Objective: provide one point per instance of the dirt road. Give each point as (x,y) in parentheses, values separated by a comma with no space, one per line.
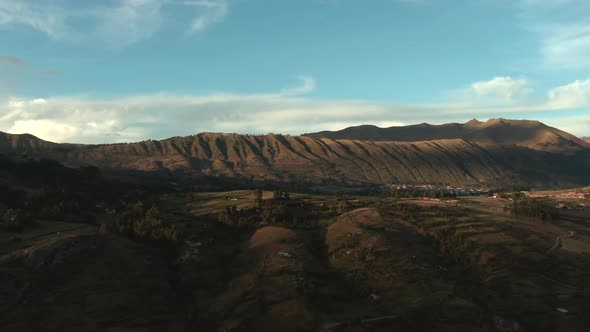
(558,241)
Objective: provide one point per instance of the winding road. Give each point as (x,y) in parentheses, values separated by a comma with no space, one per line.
(558,241)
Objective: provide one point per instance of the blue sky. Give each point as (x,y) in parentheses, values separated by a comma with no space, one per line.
(127,70)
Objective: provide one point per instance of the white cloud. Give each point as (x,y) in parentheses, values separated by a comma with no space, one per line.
(156,116)
(573,95)
(214,12)
(47,129)
(308,85)
(113,23)
(502,88)
(563,29)
(566,46)
(578,124)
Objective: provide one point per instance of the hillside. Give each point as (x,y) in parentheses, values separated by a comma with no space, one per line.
(23,143)
(333,160)
(524,133)
(586,138)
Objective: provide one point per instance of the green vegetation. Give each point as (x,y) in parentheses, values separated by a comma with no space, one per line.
(281,209)
(144,223)
(534,208)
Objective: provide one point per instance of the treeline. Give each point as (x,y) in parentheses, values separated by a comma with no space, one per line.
(533,208)
(46,190)
(238,217)
(137,221)
(281,209)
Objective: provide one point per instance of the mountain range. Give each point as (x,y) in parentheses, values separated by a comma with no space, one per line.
(525,133)
(496,152)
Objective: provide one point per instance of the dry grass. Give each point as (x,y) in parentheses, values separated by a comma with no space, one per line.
(271,235)
(576,245)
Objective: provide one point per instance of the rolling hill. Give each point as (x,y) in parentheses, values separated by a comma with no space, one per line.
(495,152)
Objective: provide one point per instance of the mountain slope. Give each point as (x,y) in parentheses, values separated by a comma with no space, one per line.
(307,159)
(23,143)
(525,133)
(277,157)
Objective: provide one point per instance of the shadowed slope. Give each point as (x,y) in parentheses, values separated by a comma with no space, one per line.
(456,161)
(530,134)
(277,157)
(23,143)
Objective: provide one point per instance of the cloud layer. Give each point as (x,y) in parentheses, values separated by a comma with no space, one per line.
(114,23)
(563,29)
(502,88)
(135,118)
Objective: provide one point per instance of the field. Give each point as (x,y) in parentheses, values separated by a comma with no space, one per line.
(361,263)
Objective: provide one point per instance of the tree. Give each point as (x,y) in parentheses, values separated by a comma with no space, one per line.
(276,194)
(343,206)
(258,198)
(225,216)
(280,213)
(535,208)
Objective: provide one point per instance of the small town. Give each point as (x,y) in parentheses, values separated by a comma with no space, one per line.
(447,190)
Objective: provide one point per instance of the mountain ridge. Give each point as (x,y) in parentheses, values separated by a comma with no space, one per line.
(525,133)
(321,160)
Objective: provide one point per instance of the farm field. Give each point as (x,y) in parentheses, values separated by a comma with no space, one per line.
(364,263)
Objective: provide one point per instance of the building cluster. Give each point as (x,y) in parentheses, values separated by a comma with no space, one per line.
(447,189)
(566,195)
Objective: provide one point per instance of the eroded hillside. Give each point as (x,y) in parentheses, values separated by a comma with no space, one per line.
(498,152)
(525,133)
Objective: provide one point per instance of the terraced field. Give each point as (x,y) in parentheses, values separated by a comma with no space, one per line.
(467,267)
(509,257)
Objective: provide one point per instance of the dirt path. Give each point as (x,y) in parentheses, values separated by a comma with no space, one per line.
(558,241)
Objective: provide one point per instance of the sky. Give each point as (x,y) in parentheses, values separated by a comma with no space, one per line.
(130,70)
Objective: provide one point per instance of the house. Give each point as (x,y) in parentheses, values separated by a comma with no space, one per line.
(285,254)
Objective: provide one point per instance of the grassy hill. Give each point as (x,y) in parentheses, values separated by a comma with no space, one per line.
(498,151)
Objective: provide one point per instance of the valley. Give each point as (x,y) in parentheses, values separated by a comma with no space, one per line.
(227,232)
(362,263)
(294,166)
